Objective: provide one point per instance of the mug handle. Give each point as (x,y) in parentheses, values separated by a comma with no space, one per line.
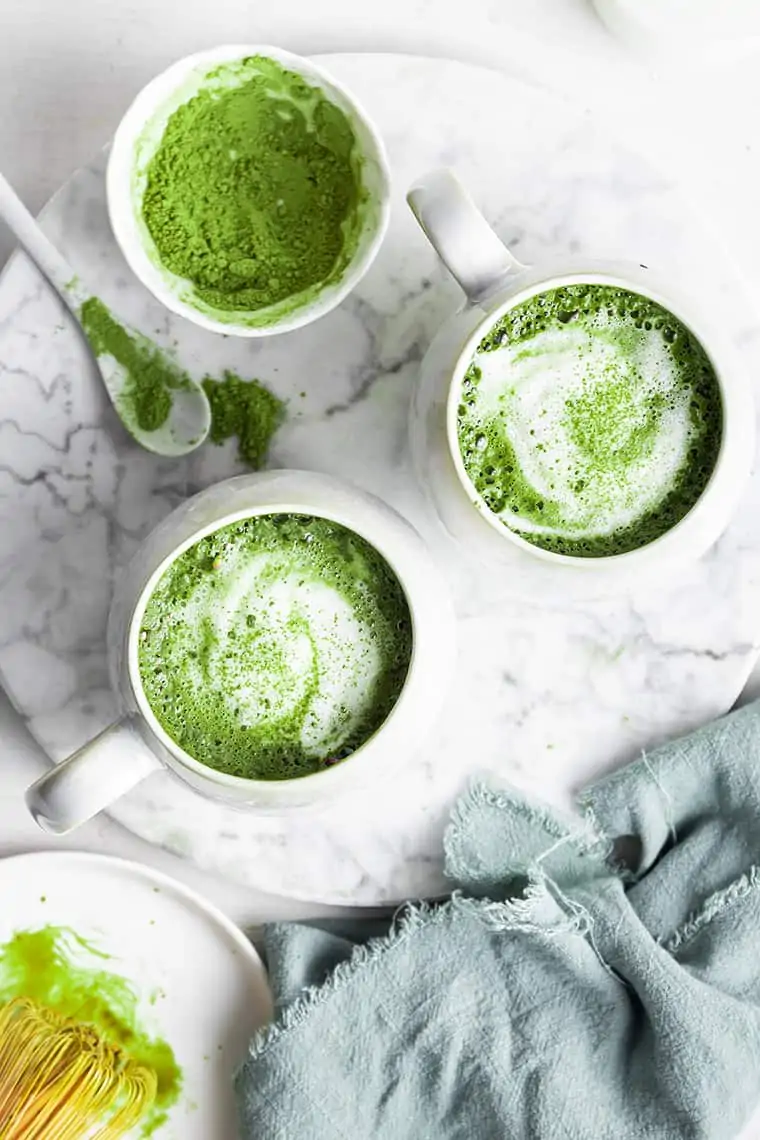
(103,769)
(460,235)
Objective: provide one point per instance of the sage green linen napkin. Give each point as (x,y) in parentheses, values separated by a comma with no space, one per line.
(560,992)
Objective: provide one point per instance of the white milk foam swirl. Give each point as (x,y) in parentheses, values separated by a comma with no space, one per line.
(279,636)
(526,392)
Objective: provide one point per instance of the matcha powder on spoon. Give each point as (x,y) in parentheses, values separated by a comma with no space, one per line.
(254,192)
(245,409)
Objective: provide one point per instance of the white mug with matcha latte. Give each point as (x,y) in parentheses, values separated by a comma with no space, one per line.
(585,414)
(280,640)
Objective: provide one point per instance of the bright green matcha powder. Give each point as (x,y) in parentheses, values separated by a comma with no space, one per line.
(254,194)
(48,966)
(150,374)
(245,409)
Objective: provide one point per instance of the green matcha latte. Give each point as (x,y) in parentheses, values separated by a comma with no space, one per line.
(254,194)
(275,646)
(590,420)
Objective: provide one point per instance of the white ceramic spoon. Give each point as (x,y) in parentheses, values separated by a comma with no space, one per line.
(188,421)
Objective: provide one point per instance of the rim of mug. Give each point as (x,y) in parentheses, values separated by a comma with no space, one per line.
(534,287)
(224,779)
(163,284)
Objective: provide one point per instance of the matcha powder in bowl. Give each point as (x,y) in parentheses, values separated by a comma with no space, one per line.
(247,190)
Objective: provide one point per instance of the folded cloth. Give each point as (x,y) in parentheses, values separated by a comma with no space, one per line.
(593,977)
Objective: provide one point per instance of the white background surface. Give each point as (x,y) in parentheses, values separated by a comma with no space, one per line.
(67,72)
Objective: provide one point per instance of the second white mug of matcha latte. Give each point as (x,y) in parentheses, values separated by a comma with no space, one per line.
(277,641)
(585,413)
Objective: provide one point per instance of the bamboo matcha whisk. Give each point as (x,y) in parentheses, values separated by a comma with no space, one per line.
(60,1080)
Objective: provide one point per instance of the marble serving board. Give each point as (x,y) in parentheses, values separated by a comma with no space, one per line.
(548,692)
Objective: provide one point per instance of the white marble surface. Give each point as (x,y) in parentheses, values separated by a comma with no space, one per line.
(69,70)
(547,693)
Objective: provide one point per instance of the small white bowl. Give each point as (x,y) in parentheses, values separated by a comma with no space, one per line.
(136,141)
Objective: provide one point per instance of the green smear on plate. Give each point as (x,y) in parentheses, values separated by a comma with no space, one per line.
(47,966)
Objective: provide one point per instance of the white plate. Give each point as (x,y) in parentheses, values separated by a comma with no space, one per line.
(210,983)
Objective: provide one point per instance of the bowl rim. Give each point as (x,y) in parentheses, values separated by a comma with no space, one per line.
(120,202)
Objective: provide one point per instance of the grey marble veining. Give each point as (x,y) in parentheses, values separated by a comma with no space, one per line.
(547,693)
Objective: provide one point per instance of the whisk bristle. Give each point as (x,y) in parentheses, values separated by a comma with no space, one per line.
(60,1079)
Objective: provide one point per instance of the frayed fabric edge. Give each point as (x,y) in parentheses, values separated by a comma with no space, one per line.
(414,918)
(511,914)
(586,836)
(516,913)
(714,907)
(481,794)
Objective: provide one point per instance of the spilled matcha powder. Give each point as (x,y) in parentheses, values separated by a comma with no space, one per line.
(48,966)
(254,194)
(244,409)
(239,408)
